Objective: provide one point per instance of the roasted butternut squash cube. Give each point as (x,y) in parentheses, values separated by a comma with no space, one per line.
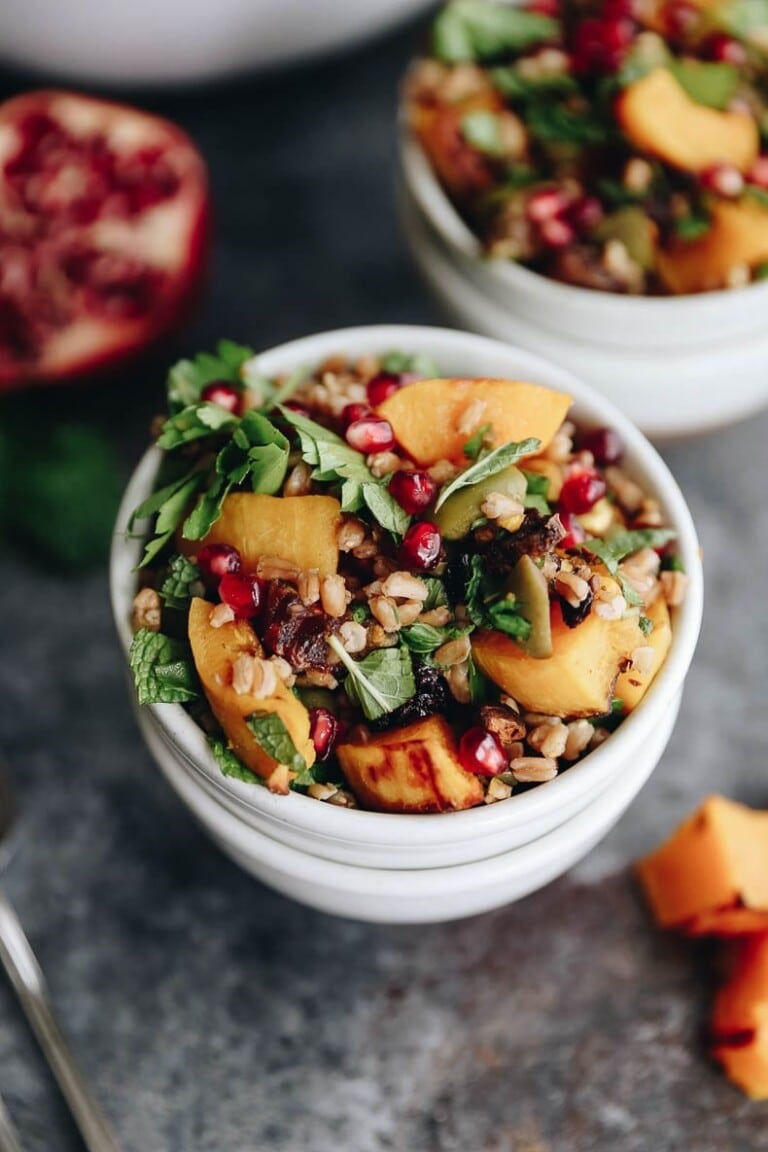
(659,117)
(214,651)
(299,529)
(711,876)
(578,679)
(462,168)
(740,1021)
(411,769)
(738,234)
(632,685)
(433,419)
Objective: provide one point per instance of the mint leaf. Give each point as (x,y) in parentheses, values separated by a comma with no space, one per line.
(230,764)
(488,465)
(379,683)
(181,584)
(436,596)
(554,123)
(645,624)
(469,30)
(516,87)
(193,423)
(385,509)
(163,669)
(536,492)
(273,736)
(400,363)
(712,84)
(623,543)
(483,131)
(424,639)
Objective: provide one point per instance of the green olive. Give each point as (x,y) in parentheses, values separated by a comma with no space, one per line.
(527,584)
(458,514)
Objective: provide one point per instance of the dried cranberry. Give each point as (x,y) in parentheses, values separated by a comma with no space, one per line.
(414,491)
(574,533)
(351,413)
(481,753)
(724,180)
(218,560)
(224,394)
(726,50)
(370,434)
(242,593)
(581,491)
(382,386)
(323,731)
(432,697)
(421,545)
(605,444)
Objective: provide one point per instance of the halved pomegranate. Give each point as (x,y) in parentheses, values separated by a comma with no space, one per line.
(104,214)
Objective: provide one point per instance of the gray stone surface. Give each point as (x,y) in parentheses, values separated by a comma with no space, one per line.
(215,1016)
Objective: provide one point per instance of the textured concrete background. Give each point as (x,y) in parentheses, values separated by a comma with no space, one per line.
(211,1014)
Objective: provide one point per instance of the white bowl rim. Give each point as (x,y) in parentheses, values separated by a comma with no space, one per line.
(399,829)
(439,210)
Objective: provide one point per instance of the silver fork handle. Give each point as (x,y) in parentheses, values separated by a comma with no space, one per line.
(9,1137)
(24,972)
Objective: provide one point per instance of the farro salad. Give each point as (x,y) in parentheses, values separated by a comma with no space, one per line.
(620,145)
(391,590)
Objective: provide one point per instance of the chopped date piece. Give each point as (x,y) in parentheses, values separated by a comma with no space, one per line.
(536,536)
(298,632)
(572,617)
(432,696)
(503,723)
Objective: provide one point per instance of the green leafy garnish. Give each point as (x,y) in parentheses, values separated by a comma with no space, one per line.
(468,30)
(436,595)
(645,624)
(334,462)
(516,87)
(536,492)
(169,505)
(672,564)
(193,423)
(230,764)
(483,131)
(474,446)
(187,378)
(181,584)
(488,465)
(625,543)
(273,736)
(163,669)
(554,123)
(400,363)
(504,616)
(423,639)
(379,683)
(708,83)
(740,18)
(759,195)
(692,227)
(489,607)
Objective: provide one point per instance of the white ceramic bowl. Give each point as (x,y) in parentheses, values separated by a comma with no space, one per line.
(373,840)
(675,365)
(180,41)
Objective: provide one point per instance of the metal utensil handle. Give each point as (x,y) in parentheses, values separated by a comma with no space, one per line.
(19,961)
(9,1137)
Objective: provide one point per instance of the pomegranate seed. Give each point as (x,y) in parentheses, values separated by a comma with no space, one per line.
(680,18)
(382,386)
(370,434)
(724,180)
(585,213)
(241,592)
(574,532)
(414,491)
(295,406)
(600,45)
(481,753)
(350,413)
(224,394)
(605,444)
(618,10)
(421,545)
(549,8)
(218,560)
(556,234)
(581,491)
(323,731)
(726,50)
(758,173)
(546,204)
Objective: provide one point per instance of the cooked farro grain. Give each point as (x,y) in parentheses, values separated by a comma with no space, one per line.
(382,463)
(350,534)
(322,791)
(354,636)
(220,615)
(579,736)
(673,587)
(533,769)
(147,610)
(402,585)
(299,481)
(549,739)
(453,652)
(497,790)
(333,595)
(385,611)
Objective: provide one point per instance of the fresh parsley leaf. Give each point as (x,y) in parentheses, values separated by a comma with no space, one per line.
(385,509)
(207,510)
(182,582)
(625,543)
(193,423)
(187,379)
(712,84)
(516,87)
(488,465)
(468,30)
(692,227)
(554,123)
(400,363)
(163,669)
(645,625)
(476,443)
(230,764)
(170,503)
(536,492)
(273,736)
(483,131)
(379,683)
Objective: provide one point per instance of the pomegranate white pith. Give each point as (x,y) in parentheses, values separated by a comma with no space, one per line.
(103,226)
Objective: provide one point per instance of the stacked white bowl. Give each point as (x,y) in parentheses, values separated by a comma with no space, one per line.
(674,365)
(408,868)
